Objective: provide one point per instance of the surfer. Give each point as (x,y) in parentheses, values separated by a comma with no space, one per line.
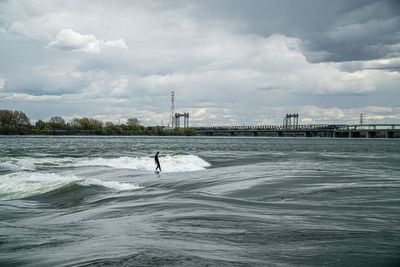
(156,161)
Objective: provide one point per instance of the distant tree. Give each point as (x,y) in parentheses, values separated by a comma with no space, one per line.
(190,132)
(108,128)
(133,122)
(57,122)
(139,130)
(20,119)
(6,117)
(80,123)
(40,124)
(13,118)
(118,130)
(109,124)
(155,130)
(95,124)
(87,124)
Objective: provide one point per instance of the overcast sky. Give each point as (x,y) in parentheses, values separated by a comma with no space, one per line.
(228,61)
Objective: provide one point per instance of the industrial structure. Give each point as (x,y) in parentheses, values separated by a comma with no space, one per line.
(175,118)
(291,127)
(291,120)
(172,110)
(311,130)
(185,116)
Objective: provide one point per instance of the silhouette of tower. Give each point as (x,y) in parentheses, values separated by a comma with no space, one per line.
(172,111)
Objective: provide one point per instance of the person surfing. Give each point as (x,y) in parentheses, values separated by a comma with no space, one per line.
(157,162)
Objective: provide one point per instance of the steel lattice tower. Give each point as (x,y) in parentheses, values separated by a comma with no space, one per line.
(172,111)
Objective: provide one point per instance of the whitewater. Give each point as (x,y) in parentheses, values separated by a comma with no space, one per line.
(219,201)
(24,181)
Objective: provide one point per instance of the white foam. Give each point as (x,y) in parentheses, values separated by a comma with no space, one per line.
(17,163)
(25,184)
(176,163)
(110,184)
(29,163)
(179,163)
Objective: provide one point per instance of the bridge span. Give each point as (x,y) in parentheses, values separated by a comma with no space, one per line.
(310,130)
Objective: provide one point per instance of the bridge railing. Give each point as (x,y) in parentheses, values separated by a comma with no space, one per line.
(275,127)
(310,127)
(372,127)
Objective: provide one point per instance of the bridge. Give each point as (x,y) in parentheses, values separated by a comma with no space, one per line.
(311,130)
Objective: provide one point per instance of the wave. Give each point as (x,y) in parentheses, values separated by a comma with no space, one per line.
(110,184)
(180,163)
(26,184)
(175,163)
(17,164)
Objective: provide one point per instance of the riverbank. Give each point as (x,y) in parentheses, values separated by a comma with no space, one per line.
(118,130)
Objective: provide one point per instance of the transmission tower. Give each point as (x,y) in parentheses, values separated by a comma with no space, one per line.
(291,120)
(172,111)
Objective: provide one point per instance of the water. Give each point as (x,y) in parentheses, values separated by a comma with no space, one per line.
(95,201)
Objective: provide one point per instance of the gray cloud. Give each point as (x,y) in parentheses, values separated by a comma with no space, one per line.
(330,30)
(228,61)
(67,39)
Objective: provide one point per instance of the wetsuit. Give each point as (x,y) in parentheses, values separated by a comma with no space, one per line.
(157,162)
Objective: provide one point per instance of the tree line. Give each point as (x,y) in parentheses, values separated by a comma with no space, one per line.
(18,123)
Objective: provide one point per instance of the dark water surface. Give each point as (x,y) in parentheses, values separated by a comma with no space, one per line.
(95,201)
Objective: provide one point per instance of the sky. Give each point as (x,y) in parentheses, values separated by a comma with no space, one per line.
(230,62)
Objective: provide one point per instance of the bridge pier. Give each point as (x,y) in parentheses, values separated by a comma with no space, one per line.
(255,134)
(310,134)
(354,134)
(389,134)
(371,134)
(280,133)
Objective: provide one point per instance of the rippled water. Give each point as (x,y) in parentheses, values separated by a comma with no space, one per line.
(95,201)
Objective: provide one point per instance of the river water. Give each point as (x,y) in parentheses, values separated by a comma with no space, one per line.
(228,201)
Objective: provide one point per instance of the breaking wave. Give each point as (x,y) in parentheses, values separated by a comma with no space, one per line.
(180,163)
(17,163)
(25,184)
(176,163)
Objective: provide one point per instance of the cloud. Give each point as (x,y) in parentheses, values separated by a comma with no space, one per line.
(229,61)
(106,85)
(28,97)
(331,31)
(67,39)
